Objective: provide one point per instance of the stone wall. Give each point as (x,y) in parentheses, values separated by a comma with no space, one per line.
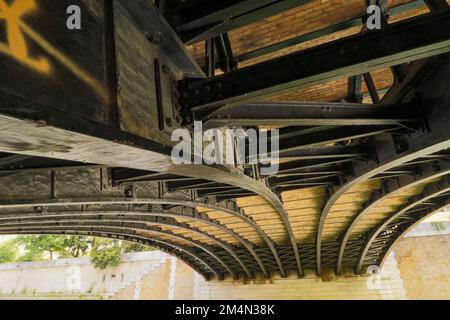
(77,277)
(388,286)
(424,264)
(417,268)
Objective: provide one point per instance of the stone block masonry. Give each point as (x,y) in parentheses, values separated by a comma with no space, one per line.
(417,268)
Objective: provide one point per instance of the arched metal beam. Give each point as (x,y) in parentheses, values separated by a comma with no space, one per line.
(143,227)
(390,187)
(155,219)
(422,215)
(420,144)
(67,131)
(196,216)
(124,226)
(5,204)
(433,138)
(364,176)
(249,220)
(432,191)
(277,204)
(259,188)
(154,242)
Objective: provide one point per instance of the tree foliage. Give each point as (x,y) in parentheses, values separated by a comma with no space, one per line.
(41,245)
(8,251)
(77,246)
(439,226)
(129,247)
(105,253)
(31,254)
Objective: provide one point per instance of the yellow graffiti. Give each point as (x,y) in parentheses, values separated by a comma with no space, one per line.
(16,46)
(64,60)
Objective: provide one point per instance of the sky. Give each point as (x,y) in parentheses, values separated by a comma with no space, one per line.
(6,238)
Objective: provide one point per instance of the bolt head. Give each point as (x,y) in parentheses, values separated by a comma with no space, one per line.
(129,193)
(155,37)
(170,122)
(165,69)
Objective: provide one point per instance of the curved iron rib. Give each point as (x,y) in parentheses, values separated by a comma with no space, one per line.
(143,154)
(399,186)
(262,190)
(154,242)
(434,138)
(188,203)
(433,190)
(124,226)
(88,217)
(196,217)
(436,142)
(252,223)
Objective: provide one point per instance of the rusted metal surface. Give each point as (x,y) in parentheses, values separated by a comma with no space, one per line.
(85,138)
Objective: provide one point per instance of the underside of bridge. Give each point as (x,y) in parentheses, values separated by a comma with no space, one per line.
(86,118)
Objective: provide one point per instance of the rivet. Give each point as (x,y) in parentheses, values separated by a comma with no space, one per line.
(165,69)
(170,122)
(155,37)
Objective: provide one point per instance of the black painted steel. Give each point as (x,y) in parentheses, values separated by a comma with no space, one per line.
(175,249)
(409,40)
(312,114)
(390,187)
(436,193)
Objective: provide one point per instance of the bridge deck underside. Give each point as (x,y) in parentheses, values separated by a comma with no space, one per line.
(364,140)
